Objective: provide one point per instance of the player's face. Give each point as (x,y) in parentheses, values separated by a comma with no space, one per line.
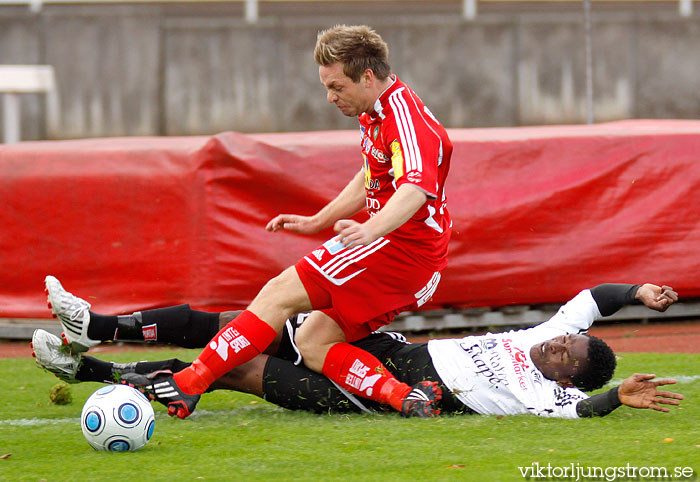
(562,357)
(352,98)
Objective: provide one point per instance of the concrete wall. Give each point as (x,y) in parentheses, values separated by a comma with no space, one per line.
(131,70)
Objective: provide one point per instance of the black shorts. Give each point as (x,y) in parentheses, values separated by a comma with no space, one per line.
(298,388)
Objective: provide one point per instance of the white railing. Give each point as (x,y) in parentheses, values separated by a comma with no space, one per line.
(251,6)
(469,7)
(21,79)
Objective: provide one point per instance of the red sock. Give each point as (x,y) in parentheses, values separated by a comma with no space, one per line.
(241,340)
(360,373)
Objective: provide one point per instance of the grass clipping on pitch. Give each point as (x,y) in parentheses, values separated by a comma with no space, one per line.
(240,437)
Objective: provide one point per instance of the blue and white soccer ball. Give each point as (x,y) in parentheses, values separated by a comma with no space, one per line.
(117,418)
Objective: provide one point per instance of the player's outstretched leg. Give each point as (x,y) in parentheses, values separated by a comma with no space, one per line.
(54,356)
(421,400)
(72,312)
(161,387)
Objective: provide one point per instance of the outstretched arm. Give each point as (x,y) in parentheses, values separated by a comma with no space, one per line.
(349,202)
(637,391)
(655,297)
(610,297)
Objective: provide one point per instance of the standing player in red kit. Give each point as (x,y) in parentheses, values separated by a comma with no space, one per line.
(359,280)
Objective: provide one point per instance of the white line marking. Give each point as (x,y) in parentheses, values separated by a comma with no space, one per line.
(678,378)
(31,422)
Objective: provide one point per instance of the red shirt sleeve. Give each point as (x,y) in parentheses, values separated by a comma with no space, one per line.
(410,135)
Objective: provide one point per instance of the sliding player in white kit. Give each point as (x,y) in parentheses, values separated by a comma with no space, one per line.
(535,370)
(539,371)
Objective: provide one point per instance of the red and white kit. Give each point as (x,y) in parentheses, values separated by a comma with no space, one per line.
(364,287)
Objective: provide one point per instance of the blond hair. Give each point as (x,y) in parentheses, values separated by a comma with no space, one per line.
(357,47)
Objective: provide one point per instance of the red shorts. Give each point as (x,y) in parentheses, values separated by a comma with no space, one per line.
(364,287)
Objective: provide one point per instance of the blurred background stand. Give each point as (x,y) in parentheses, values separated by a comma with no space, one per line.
(21,79)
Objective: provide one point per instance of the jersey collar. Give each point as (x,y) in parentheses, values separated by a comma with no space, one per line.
(382,99)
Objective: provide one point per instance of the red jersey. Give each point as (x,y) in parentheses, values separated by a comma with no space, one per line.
(402,142)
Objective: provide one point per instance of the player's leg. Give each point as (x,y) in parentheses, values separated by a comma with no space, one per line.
(249,334)
(179,325)
(54,356)
(241,340)
(325,350)
(295,387)
(72,312)
(283,380)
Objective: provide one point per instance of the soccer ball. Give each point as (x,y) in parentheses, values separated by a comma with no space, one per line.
(117,418)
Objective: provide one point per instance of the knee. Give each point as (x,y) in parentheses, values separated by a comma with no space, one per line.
(282,283)
(303,341)
(312,352)
(271,298)
(282,296)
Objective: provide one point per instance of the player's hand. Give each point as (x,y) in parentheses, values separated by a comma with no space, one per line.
(294,223)
(352,233)
(639,391)
(655,297)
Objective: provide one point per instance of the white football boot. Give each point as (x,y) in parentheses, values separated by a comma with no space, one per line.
(73,313)
(54,356)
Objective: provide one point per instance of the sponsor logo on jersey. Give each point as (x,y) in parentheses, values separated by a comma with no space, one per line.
(487,361)
(414,177)
(357,378)
(318,253)
(379,155)
(564,397)
(368,172)
(150,332)
(371,184)
(489,343)
(430,114)
(518,360)
(535,375)
(229,338)
(397,159)
(369,149)
(375,133)
(372,204)
(333,245)
(426,293)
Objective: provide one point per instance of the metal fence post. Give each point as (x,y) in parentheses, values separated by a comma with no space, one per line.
(469,9)
(11,118)
(251,11)
(590,118)
(685,8)
(19,79)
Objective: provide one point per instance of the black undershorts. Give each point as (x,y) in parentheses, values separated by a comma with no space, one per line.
(297,388)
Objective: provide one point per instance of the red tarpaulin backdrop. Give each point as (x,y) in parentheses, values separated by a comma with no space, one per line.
(539,214)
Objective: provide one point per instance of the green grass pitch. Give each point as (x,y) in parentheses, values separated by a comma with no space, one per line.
(239,437)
